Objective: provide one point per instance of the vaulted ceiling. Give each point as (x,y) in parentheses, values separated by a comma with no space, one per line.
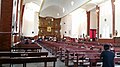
(60,8)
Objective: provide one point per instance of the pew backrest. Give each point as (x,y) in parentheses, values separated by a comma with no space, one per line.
(26,49)
(20,60)
(23,54)
(24,60)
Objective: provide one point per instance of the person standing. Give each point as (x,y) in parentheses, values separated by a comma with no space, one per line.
(107,57)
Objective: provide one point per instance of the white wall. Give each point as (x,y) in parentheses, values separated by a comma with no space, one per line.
(105,25)
(79,23)
(117,17)
(30,20)
(75,23)
(36,23)
(93,19)
(14,16)
(18,18)
(66,25)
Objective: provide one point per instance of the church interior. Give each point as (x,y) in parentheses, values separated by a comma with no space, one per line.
(58,33)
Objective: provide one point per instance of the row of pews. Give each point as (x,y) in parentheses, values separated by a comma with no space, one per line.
(26,49)
(26,53)
(83,54)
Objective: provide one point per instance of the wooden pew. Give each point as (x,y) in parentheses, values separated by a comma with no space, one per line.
(93,59)
(21,44)
(24,60)
(96,47)
(26,49)
(23,54)
(25,57)
(52,47)
(76,54)
(86,58)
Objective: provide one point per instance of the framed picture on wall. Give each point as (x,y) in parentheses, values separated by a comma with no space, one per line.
(48,29)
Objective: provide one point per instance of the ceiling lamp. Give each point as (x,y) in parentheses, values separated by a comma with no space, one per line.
(72,3)
(58,14)
(63,10)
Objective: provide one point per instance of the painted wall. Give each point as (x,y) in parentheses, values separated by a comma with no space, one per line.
(30,21)
(75,24)
(14,16)
(93,19)
(79,23)
(105,25)
(36,23)
(117,17)
(66,25)
(18,18)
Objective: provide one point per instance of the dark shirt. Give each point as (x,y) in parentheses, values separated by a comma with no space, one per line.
(107,58)
(26,42)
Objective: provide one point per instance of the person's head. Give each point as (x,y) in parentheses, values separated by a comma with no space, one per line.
(106,47)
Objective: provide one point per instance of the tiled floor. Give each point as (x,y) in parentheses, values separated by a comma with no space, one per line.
(58,63)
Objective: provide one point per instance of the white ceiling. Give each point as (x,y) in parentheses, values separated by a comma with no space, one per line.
(60,8)
(92,4)
(54,7)
(38,2)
